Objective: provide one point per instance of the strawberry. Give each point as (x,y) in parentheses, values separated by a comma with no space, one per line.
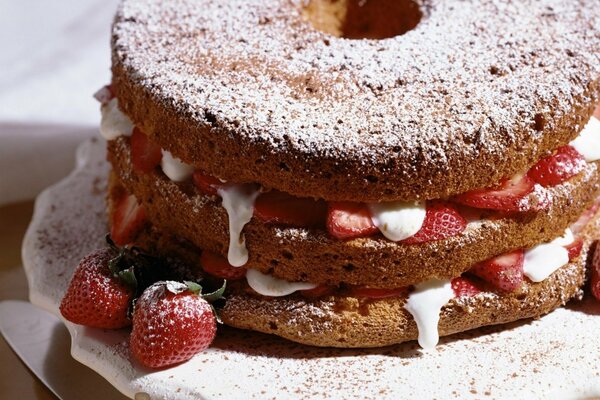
(595,273)
(508,196)
(128,219)
(218,266)
(441,222)
(346,220)
(282,208)
(574,248)
(171,323)
(504,272)
(319,291)
(463,286)
(585,218)
(206,184)
(565,163)
(95,296)
(145,155)
(375,293)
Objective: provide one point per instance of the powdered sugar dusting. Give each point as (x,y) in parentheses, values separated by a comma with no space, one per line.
(461,90)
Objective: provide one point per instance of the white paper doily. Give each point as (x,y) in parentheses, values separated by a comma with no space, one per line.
(556,356)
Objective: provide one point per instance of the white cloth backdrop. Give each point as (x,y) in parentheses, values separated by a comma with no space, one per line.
(54,54)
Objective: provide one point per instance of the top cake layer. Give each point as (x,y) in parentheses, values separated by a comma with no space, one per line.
(251,91)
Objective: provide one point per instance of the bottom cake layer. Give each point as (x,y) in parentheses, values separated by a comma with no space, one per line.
(343,320)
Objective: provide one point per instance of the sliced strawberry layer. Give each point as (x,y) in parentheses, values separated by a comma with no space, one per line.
(374,293)
(206,184)
(595,273)
(510,195)
(217,265)
(281,208)
(127,221)
(564,164)
(441,222)
(319,291)
(145,155)
(574,248)
(585,218)
(464,287)
(504,272)
(346,220)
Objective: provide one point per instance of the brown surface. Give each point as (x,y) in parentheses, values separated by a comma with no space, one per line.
(16,382)
(313,256)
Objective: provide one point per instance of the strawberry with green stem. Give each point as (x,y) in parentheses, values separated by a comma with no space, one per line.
(172,322)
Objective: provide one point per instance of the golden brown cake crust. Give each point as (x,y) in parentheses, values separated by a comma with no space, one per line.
(312,255)
(250,91)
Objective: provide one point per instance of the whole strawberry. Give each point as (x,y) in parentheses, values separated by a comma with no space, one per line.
(171,323)
(96,297)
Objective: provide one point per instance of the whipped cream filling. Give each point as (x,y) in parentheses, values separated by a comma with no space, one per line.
(175,169)
(425,304)
(113,122)
(268,285)
(542,260)
(398,220)
(588,141)
(238,201)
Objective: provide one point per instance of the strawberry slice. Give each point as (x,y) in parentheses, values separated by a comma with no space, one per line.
(282,208)
(504,272)
(375,293)
(464,287)
(206,184)
(595,273)
(346,220)
(585,218)
(319,291)
(128,220)
(218,266)
(508,196)
(145,155)
(565,163)
(574,248)
(441,222)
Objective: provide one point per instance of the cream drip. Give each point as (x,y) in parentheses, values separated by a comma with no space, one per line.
(238,201)
(268,285)
(113,122)
(174,168)
(542,260)
(398,220)
(588,141)
(425,304)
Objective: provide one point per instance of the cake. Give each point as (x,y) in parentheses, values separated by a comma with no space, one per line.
(362,173)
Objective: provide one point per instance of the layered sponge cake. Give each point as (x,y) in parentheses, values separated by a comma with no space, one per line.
(360,180)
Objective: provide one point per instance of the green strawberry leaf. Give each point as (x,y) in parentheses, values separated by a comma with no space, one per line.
(217,294)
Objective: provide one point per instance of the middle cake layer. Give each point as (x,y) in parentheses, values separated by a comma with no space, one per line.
(310,254)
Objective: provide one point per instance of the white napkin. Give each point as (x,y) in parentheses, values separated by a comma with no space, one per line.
(53,56)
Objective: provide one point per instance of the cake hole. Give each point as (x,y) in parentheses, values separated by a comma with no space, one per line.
(363,19)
